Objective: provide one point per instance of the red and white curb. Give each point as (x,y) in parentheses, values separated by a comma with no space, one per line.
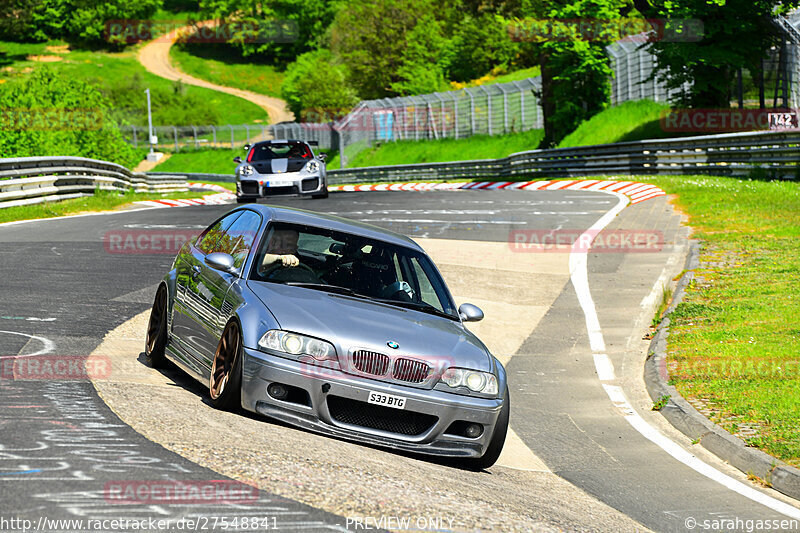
(211,199)
(208,186)
(634,190)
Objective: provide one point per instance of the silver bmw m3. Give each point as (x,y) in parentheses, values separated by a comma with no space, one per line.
(334,326)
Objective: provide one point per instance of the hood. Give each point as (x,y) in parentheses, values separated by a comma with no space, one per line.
(348,322)
(279,166)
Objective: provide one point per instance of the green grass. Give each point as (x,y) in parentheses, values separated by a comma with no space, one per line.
(630,121)
(206,161)
(223,65)
(517,75)
(101,201)
(733,340)
(121,78)
(476,147)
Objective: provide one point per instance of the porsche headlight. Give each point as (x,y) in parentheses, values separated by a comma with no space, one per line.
(311,167)
(480,382)
(294,344)
(246,170)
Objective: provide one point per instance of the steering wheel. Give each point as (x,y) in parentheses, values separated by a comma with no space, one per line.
(304,271)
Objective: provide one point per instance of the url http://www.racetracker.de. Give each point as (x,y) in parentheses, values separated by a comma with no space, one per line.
(197,523)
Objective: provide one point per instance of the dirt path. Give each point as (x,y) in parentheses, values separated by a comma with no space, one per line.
(154,56)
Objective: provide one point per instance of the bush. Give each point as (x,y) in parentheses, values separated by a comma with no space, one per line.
(45,114)
(316,88)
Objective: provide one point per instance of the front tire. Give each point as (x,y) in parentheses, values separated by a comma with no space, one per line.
(319,196)
(156,341)
(495,446)
(240,200)
(225,383)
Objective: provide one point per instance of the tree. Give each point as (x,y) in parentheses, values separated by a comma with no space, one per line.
(575,67)
(316,89)
(47,114)
(282,29)
(480,43)
(736,34)
(374,39)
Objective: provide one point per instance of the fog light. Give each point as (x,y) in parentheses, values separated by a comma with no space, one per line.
(473,430)
(277,391)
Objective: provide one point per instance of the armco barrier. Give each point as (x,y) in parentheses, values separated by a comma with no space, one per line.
(31,180)
(770,154)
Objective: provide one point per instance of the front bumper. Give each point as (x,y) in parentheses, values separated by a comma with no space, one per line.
(313,413)
(260,185)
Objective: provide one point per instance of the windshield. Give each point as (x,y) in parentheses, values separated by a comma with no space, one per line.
(290,150)
(332,261)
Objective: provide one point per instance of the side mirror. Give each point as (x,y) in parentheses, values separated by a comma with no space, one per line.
(246,147)
(221,261)
(322,156)
(469,313)
(237,159)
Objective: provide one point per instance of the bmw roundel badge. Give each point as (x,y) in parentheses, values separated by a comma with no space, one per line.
(393,345)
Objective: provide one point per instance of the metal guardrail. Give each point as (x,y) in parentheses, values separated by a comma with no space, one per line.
(196,176)
(769,154)
(31,180)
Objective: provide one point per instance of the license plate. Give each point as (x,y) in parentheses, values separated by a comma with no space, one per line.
(278,183)
(378,398)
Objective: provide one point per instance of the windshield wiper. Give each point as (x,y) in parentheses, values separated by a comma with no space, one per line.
(325,287)
(417,306)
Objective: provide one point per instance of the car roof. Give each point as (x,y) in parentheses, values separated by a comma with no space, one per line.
(293,215)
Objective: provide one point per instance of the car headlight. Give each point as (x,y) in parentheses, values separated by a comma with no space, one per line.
(246,170)
(480,382)
(311,166)
(294,344)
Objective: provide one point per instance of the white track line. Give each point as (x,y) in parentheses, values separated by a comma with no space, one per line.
(579,275)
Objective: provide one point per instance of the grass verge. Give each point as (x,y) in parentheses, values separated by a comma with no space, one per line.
(101,201)
(631,121)
(732,348)
(212,161)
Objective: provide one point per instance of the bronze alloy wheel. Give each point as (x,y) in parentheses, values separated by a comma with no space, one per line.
(156,340)
(225,380)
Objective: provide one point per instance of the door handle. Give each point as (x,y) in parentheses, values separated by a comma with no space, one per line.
(196,271)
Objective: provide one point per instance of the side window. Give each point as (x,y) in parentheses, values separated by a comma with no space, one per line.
(427,293)
(238,239)
(208,240)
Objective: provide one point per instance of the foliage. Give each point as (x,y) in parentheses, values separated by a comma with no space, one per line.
(575,70)
(479,44)
(46,114)
(316,88)
(76,21)
(304,24)
(721,37)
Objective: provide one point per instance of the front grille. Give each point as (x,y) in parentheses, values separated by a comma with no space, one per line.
(366,415)
(309,184)
(410,370)
(371,362)
(249,187)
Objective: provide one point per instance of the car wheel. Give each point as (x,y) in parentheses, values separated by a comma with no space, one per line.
(495,446)
(321,195)
(240,200)
(225,384)
(156,341)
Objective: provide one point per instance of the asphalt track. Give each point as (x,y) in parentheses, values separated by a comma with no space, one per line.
(60,444)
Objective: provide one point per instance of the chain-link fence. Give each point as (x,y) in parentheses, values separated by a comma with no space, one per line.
(486,109)
(633,65)
(181,137)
